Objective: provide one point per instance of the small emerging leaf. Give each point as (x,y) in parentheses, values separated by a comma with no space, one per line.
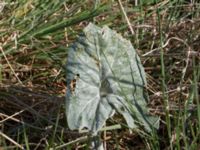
(110,79)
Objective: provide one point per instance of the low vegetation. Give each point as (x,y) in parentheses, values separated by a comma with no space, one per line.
(34,37)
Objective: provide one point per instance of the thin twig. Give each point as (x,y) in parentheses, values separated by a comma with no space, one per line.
(11,140)
(127,20)
(13,71)
(11,117)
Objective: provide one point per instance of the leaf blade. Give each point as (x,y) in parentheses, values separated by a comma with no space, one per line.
(112,79)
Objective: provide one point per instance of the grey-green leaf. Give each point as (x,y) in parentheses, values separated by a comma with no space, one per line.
(104,76)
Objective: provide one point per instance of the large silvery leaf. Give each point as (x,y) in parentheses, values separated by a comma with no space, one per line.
(104,76)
